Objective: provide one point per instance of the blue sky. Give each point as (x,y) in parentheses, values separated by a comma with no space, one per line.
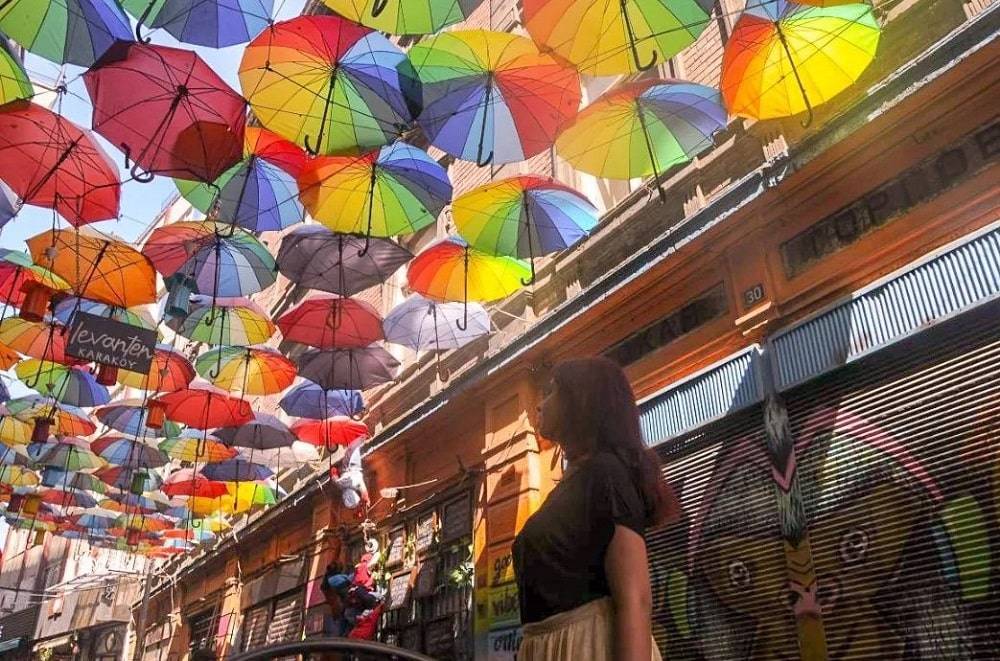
(140,202)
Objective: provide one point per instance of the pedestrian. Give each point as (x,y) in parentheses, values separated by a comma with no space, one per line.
(580,560)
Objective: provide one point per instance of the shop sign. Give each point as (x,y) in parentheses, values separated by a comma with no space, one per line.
(399,591)
(502,568)
(504,609)
(397,541)
(426,584)
(109,342)
(425,532)
(456,519)
(503,644)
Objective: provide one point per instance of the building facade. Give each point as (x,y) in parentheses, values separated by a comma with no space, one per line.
(810,322)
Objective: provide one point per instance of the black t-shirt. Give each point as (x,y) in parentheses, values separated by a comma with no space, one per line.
(559,554)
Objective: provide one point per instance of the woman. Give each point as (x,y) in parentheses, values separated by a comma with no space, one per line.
(580,560)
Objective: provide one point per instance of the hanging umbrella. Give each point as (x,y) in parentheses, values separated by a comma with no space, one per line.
(51,162)
(67,454)
(397,189)
(331,432)
(259,193)
(169,371)
(425,325)
(57,477)
(62,418)
(70,385)
(124,501)
(167,110)
(329,85)
(203,407)
(131,417)
(641,129)
(125,452)
(329,322)
(492,97)
(523,217)
(10,205)
(14,83)
(609,37)
(219,259)
(65,31)
(96,266)
(143,522)
(16,476)
(316,258)
(196,449)
(405,16)
(236,470)
(41,340)
(248,370)
(309,400)
(231,321)
(350,369)
(450,270)
(212,23)
(186,482)
(265,432)
(293,456)
(784,58)
(14,431)
(18,273)
(130,479)
(8,358)
(66,497)
(191,533)
(95,519)
(69,306)
(14,456)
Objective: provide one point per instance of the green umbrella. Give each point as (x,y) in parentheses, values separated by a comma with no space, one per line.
(14,83)
(65,31)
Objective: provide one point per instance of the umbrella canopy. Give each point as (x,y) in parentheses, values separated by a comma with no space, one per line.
(331,432)
(329,85)
(186,482)
(310,400)
(231,321)
(131,416)
(14,456)
(68,420)
(170,370)
(65,31)
(96,266)
(66,455)
(205,407)
(396,189)
(293,456)
(329,322)
(10,205)
(259,193)
(265,432)
(212,23)
(128,453)
(167,110)
(69,306)
(70,385)
(249,370)
(66,497)
(143,522)
(16,476)
(129,478)
(43,340)
(349,369)
(425,325)
(784,58)
(95,519)
(236,470)
(492,97)
(196,449)
(220,259)
(405,16)
(8,358)
(450,270)
(608,37)
(51,162)
(57,477)
(14,83)
(14,431)
(17,270)
(314,257)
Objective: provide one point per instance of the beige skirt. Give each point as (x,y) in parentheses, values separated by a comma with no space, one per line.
(584,633)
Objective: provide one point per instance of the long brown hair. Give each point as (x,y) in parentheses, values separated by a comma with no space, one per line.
(599,414)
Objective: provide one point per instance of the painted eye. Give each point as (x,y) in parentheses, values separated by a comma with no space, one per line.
(853,546)
(739,574)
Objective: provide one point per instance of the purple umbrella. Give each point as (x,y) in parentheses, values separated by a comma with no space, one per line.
(212,23)
(351,369)
(310,400)
(236,470)
(265,432)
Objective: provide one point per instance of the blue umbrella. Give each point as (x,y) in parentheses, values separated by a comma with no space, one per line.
(130,418)
(310,400)
(212,23)
(236,470)
(57,477)
(8,204)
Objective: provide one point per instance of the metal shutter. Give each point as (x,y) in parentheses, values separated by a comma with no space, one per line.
(286,625)
(255,626)
(202,627)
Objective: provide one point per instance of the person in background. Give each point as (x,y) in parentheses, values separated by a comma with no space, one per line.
(580,560)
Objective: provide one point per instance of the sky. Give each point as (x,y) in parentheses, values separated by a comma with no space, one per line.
(140,203)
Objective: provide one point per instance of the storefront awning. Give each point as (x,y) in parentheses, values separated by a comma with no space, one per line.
(54,643)
(11,644)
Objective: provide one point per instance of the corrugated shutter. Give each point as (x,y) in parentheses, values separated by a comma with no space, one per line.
(899,469)
(286,624)
(255,624)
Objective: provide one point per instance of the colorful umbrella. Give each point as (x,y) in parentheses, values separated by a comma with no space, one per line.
(143,522)
(14,456)
(236,321)
(196,449)
(167,110)
(425,325)
(349,369)
(608,37)
(57,477)
(316,258)
(66,454)
(249,370)
(783,58)
(397,189)
(265,432)
(259,193)
(10,205)
(329,85)
(51,162)
(212,23)
(204,407)
(65,419)
(236,470)
(96,519)
(169,371)
(523,217)
(97,267)
(331,432)
(294,456)
(16,476)
(14,83)
(67,307)
(18,273)
(8,358)
(186,482)
(309,400)
(405,16)
(641,129)
(14,431)
(66,497)
(492,97)
(221,260)
(37,339)
(65,31)
(329,322)
(129,478)
(70,385)
(128,453)
(131,417)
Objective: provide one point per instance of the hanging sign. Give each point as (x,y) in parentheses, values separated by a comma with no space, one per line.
(109,342)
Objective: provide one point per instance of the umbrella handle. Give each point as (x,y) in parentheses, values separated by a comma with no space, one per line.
(214,373)
(631,41)
(530,280)
(364,250)
(134,170)
(141,20)
(378,7)
(479,158)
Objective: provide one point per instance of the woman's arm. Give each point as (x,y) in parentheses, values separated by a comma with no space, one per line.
(628,576)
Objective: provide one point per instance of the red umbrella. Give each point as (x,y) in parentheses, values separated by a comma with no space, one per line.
(329,322)
(205,407)
(186,482)
(51,162)
(339,430)
(167,110)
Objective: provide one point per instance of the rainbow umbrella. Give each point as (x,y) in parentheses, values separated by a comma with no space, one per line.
(259,193)
(310,400)
(67,307)
(784,58)
(57,477)
(609,37)
(397,189)
(451,270)
(249,370)
(405,16)
(70,385)
(65,419)
(203,407)
(16,476)
(348,369)
(14,431)
(128,453)
(14,456)
(17,271)
(143,522)
(329,85)
(131,417)
(196,449)
(65,31)
(44,340)
(641,129)
(331,432)
(170,370)
(212,23)
(96,519)
(523,217)
(68,454)
(329,322)
(14,83)
(231,321)
(8,357)
(492,97)
(136,480)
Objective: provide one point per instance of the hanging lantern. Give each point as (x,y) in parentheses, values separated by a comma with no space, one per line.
(107,375)
(40,432)
(179,288)
(138,482)
(156,414)
(36,300)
